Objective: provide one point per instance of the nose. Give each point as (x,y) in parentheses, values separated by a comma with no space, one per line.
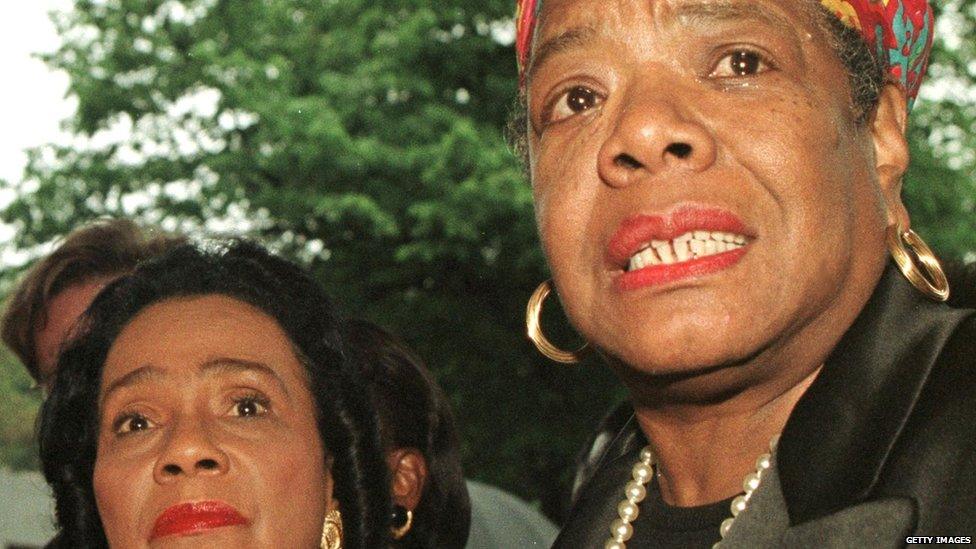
(190,450)
(653,136)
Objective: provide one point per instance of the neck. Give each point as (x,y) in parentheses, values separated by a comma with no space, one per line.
(708,426)
(703,451)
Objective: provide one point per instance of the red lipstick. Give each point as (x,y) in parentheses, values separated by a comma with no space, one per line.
(190,518)
(637,231)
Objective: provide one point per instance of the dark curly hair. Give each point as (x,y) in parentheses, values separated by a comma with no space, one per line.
(414,413)
(244,271)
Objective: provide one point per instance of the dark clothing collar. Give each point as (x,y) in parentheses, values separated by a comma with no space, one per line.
(843,428)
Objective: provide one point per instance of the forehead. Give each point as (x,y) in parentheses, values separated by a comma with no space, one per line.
(178,335)
(607,15)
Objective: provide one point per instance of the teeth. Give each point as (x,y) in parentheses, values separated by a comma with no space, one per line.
(664,250)
(650,258)
(681,249)
(637,262)
(690,245)
(645,258)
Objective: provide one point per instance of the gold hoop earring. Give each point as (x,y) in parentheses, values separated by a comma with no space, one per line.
(332,530)
(406,517)
(533,312)
(926,274)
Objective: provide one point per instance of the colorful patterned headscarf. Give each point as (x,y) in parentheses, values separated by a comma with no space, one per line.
(899,32)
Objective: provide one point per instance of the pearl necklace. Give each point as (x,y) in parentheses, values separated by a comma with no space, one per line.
(621,530)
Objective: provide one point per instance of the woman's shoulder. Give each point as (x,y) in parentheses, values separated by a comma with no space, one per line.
(500,519)
(947,401)
(958,356)
(952,381)
(935,449)
(962,282)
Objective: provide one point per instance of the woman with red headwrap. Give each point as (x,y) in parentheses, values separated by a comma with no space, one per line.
(717,185)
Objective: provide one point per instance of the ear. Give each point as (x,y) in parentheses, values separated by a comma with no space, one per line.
(891,150)
(408,469)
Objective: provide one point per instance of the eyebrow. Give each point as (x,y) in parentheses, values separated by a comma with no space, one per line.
(216,365)
(568,39)
(222,365)
(688,14)
(141,374)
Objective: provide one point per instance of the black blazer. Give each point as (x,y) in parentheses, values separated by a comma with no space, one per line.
(882,446)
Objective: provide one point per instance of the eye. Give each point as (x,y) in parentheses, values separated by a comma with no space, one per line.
(131,423)
(249,406)
(739,63)
(573,101)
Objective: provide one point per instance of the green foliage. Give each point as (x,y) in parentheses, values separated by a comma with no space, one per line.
(940,187)
(365,137)
(19,403)
(361,136)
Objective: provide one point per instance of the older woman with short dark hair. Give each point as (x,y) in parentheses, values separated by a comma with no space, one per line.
(717,185)
(208,400)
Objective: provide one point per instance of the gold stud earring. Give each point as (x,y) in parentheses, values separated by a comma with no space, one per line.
(332,530)
(533,312)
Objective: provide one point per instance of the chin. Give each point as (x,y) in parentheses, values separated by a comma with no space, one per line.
(217,537)
(672,351)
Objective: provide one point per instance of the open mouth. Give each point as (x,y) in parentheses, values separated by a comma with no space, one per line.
(686,247)
(689,241)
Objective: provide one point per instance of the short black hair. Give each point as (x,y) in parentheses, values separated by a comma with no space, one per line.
(415,413)
(244,271)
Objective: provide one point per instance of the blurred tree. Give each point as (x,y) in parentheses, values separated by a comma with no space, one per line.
(365,137)
(19,401)
(940,187)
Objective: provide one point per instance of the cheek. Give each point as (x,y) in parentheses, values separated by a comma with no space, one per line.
(301,463)
(293,481)
(817,182)
(120,494)
(570,214)
(565,187)
(812,172)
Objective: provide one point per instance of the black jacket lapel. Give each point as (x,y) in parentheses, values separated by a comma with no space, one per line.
(842,430)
